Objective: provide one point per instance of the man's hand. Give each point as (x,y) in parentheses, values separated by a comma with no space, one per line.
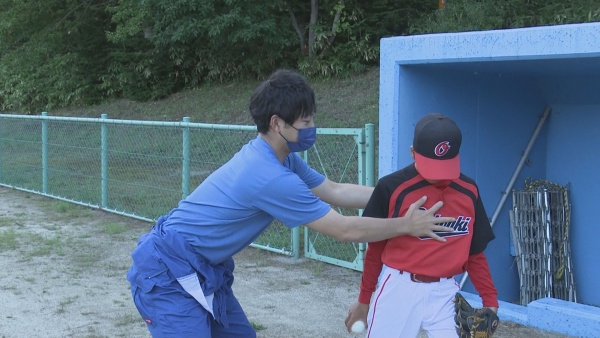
(423,223)
(358,311)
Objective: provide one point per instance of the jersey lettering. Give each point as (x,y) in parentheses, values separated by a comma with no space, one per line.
(460,227)
(461,224)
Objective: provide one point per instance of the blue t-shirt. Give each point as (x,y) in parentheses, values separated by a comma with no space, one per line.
(237,202)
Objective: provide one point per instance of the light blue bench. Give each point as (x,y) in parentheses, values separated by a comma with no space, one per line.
(549,314)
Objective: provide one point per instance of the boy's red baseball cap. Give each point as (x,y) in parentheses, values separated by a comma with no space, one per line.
(436,144)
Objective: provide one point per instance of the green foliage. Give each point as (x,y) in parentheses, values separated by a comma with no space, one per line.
(139,75)
(394,17)
(137,70)
(560,12)
(60,53)
(476,15)
(219,40)
(36,78)
(50,53)
(340,47)
(130,18)
(461,15)
(347,33)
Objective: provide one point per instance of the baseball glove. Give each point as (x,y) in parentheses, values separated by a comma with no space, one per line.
(474,322)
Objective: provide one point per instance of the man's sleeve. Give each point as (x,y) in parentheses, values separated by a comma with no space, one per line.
(288,199)
(311,177)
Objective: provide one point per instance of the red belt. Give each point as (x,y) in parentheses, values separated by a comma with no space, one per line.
(422,278)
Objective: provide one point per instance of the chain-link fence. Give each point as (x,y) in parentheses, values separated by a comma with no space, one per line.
(142,169)
(338,162)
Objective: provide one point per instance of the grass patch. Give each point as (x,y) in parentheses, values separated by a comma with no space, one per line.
(258,327)
(8,240)
(349,101)
(70,209)
(42,245)
(127,320)
(65,209)
(318,268)
(115,228)
(87,257)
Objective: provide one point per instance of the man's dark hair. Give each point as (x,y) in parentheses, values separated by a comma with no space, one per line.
(286,94)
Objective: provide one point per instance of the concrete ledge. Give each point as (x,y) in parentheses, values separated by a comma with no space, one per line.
(565,317)
(549,314)
(513,313)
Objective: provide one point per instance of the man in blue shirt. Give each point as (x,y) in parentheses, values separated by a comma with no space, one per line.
(182,269)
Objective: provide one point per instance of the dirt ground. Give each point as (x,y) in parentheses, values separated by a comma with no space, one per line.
(63,275)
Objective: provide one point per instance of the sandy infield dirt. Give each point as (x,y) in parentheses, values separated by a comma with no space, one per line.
(63,272)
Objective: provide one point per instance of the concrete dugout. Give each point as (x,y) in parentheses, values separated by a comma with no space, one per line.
(497,85)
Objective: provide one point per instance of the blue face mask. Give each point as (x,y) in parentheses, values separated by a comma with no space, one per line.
(306,139)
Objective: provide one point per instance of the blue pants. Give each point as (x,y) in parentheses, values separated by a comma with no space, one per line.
(160,258)
(169,311)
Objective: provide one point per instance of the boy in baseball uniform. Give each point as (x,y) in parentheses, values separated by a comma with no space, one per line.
(408,282)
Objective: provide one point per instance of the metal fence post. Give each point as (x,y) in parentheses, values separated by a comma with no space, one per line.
(44,153)
(369,173)
(296,242)
(0,153)
(296,231)
(185,165)
(104,160)
(361,152)
(370,154)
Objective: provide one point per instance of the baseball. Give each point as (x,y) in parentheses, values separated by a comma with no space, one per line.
(358,326)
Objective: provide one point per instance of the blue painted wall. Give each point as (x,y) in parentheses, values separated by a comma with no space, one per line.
(572,150)
(496,85)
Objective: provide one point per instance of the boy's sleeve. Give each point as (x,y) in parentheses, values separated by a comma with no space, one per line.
(477,264)
(479,271)
(377,207)
(371,270)
(482,230)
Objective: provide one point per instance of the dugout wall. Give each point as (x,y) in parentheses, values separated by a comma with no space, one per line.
(496,85)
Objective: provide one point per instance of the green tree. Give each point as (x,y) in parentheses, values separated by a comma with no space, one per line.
(209,39)
(342,36)
(477,15)
(56,53)
(51,53)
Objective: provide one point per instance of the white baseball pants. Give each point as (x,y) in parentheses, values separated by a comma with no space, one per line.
(400,307)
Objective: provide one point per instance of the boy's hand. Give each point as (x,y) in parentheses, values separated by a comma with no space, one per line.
(358,311)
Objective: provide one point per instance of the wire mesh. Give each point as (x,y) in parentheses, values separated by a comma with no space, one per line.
(540,224)
(142,168)
(338,159)
(22,138)
(73,160)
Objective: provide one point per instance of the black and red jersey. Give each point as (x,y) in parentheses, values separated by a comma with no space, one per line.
(471,233)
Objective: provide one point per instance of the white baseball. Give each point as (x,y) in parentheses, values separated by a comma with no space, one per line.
(358,326)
